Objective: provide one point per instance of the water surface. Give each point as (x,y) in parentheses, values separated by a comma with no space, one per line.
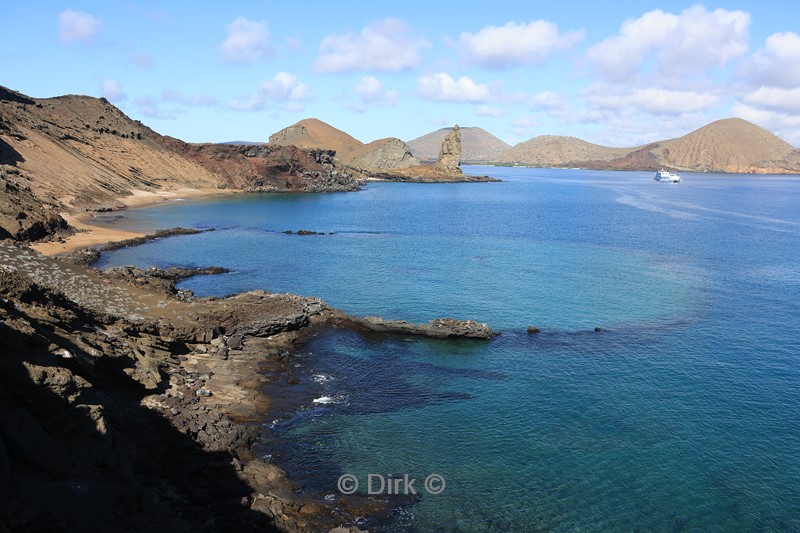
(682,414)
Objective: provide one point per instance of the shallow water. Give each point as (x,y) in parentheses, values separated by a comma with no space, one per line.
(682,414)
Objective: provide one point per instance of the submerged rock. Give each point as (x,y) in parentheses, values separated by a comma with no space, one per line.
(532,330)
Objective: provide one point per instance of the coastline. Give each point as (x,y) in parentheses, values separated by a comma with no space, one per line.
(204,362)
(88,235)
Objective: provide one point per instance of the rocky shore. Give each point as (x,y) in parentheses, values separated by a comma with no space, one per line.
(125,403)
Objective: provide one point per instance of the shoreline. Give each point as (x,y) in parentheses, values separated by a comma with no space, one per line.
(200,368)
(89,235)
(206,362)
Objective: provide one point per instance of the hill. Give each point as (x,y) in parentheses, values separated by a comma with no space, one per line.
(729,145)
(478,145)
(75,153)
(381,155)
(557,151)
(312,133)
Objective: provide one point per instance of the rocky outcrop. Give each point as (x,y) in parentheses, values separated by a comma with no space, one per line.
(440,328)
(450,152)
(383,155)
(268,168)
(446,170)
(477,145)
(113,421)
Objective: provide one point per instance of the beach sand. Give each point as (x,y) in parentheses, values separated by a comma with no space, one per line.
(89,234)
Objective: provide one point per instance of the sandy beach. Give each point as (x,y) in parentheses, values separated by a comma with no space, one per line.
(89,234)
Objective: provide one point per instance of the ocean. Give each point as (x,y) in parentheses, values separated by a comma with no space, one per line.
(681,414)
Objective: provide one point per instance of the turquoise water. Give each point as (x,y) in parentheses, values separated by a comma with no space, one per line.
(683,414)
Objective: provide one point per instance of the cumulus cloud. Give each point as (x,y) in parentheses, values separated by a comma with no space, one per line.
(284,90)
(775,98)
(690,42)
(384,46)
(650,100)
(784,125)
(78,27)
(442,87)
(776,64)
(547,100)
(515,44)
(371,90)
(112,90)
(247,42)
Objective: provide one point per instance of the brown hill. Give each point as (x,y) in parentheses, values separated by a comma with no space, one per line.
(378,156)
(75,153)
(477,145)
(729,145)
(557,151)
(313,133)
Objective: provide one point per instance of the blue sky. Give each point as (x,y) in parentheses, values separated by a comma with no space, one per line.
(623,74)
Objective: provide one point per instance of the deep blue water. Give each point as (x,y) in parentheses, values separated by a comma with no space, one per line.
(683,414)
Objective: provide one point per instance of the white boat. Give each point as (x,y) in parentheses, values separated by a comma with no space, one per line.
(667,176)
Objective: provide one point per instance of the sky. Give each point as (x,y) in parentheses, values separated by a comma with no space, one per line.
(623,74)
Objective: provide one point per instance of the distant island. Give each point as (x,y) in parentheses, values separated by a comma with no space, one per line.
(730,145)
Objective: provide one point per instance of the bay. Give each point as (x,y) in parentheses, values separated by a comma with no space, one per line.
(683,413)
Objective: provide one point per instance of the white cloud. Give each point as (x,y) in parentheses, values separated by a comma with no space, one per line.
(78,27)
(649,100)
(284,90)
(690,42)
(784,125)
(442,87)
(515,44)
(247,42)
(524,128)
(547,100)
(112,91)
(385,46)
(776,64)
(775,98)
(371,90)
(488,111)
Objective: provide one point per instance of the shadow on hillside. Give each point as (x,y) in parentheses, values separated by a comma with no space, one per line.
(78,458)
(9,156)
